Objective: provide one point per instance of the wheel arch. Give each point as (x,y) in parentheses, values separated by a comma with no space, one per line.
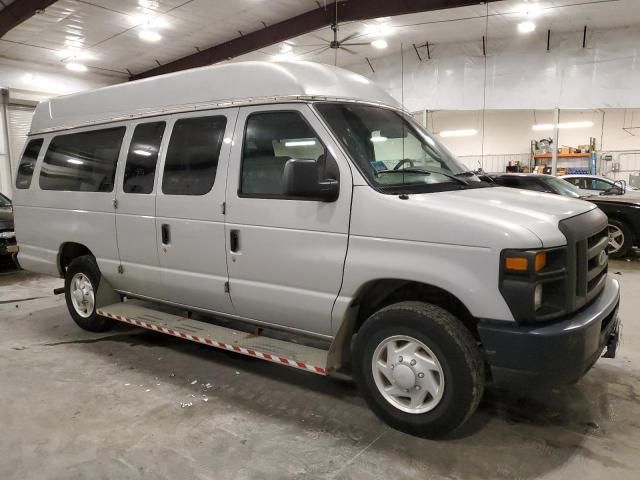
(379,293)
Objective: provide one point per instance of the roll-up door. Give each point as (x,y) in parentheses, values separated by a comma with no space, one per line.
(19,123)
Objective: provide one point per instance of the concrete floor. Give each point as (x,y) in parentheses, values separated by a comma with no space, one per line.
(76,405)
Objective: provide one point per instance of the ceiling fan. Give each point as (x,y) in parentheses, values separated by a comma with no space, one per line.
(336,44)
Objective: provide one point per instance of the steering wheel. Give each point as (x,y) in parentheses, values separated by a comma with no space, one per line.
(401,163)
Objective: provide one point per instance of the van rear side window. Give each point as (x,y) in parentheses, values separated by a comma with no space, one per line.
(143,156)
(82,162)
(28,163)
(192,157)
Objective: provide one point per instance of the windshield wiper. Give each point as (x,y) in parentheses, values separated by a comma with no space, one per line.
(422,171)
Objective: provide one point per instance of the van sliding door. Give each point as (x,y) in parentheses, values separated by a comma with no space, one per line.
(135,212)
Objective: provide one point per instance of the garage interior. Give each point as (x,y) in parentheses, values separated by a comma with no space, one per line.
(537,86)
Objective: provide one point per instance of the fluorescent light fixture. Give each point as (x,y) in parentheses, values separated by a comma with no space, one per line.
(74,161)
(379,43)
(459,133)
(299,143)
(378,138)
(144,153)
(549,126)
(76,67)
(149,36)
(526,27)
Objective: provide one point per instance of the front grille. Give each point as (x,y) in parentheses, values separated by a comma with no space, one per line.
(587,237)
(596,262)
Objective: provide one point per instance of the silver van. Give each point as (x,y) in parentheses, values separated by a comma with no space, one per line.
(304,204)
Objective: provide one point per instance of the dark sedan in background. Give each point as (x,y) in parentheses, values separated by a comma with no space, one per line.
(8,245)
(623,211)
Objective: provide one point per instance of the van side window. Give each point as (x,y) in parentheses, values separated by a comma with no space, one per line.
(192,156)
(271,139)
(82,162)
(28,163)
(140,170)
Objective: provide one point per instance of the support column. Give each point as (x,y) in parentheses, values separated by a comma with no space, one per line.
(5,157)
(554,150)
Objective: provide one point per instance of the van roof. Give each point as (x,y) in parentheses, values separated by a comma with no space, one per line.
(207,87)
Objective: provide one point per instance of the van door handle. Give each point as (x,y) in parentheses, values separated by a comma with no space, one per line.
(166,234)
(234,241)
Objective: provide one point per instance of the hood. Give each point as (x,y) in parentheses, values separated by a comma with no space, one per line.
(494,217)
(6,218)
(631,198)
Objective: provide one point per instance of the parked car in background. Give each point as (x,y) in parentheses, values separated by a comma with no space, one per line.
(8,245)
(623,211)
(597,185)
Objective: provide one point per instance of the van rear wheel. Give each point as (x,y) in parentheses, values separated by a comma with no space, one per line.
(80,289)
(419,369)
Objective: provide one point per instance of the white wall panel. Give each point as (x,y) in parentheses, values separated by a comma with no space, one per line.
(520,73)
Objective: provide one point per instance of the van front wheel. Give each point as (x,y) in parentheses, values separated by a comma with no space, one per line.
(80,289)
(419,369)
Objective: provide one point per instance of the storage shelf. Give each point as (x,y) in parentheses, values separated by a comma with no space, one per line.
(563,155)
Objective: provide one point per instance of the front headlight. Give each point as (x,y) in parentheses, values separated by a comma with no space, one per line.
(534,283)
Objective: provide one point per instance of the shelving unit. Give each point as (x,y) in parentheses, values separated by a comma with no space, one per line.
(587,164)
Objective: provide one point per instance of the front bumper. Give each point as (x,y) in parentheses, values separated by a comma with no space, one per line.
(8,243)
(556,353)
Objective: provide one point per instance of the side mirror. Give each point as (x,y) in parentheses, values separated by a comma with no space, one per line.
(301,179)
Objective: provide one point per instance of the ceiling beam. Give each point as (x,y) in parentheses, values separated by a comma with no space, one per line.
(20,10)
(349,10)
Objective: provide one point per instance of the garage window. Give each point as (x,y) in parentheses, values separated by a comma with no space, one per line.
(192,156)
(28,163)
(82,162)
(140,170)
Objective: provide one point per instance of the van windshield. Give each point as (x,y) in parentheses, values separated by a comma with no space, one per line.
(393,152)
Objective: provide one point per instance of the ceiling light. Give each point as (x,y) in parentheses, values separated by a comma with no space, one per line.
(76,67)
(459,133)
(149,3)
(300,143)
(526,27)
(74,54)
(149,36)
(549,126)
(380,43)
(286,47)
(378,29)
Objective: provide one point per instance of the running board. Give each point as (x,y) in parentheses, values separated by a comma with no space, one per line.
(265,348)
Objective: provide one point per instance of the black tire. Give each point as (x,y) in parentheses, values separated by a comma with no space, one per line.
(454,347)
(627,244)
(86,265)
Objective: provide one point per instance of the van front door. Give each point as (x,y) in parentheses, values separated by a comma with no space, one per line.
(285,255)
(189,210)
(136,210)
